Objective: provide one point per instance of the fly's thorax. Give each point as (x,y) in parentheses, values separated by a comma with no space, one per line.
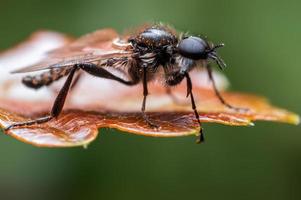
(154,38)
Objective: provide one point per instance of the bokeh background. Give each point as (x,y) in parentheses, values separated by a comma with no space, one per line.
(262,162)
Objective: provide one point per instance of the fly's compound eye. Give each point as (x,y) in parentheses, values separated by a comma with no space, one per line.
(194,48)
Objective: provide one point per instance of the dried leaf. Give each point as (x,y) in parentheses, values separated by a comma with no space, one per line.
(98,103)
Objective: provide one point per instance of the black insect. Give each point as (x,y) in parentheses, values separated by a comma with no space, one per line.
(139,57)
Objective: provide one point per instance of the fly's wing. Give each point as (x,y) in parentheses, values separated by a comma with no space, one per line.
(93,47)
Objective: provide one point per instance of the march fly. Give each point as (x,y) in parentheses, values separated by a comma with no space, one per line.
(139,57)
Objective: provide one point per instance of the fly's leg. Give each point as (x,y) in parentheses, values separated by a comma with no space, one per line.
(177,78)
(56,108)
(75,81)
(145,93)
(219,96)
(193,106)
(61,97)
(101,72)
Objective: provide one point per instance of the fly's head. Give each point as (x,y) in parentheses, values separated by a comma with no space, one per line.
(196,48)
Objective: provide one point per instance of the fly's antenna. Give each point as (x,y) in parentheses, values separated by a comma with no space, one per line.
(218,46)
(221,64)
(213,55)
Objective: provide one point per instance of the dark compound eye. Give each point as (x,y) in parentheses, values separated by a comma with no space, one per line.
(194,48)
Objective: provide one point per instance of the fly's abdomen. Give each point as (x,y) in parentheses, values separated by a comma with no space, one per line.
(46,78)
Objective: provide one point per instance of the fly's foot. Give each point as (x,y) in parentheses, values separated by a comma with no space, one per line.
(14,125)
(28,123)
(200,136)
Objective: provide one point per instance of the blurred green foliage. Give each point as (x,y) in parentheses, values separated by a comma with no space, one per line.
(262,162)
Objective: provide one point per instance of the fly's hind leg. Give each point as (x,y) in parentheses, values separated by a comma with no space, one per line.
(77,77)
(56,108)
(61,97)
(219,96)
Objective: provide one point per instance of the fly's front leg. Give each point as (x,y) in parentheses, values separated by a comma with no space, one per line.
(56,108)
(145,93)
(218,94)
(193,106)
(175,79)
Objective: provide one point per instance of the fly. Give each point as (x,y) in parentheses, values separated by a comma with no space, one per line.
(138,57)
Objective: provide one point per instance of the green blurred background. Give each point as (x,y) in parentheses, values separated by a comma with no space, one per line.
(262,162)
